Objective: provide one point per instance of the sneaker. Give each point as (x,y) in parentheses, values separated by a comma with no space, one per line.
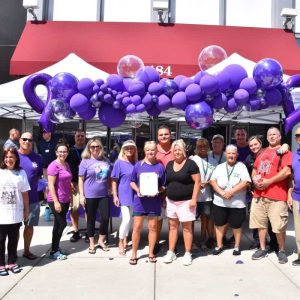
(282,258)
(57,256)
(187,259)
(259,254)
(236,252)
(75,237)
(169,257)
(217,251)
(296,262)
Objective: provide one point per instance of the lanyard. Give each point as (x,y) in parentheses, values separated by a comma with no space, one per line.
(204,170)
(220,159)
(229,173)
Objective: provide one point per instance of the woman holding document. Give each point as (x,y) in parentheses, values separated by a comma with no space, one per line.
(147,181)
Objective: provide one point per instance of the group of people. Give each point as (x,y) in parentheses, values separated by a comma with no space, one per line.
(214,185)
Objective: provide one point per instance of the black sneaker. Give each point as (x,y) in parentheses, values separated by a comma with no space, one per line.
(259,254)
(217,251)
(75,237)
(282,258)
(236,252)
(296,262)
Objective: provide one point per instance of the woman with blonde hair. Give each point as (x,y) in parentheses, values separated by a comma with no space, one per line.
(93,182)
(122,192)
(147,181)
(183,185)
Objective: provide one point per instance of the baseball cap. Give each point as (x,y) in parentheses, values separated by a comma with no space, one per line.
(218,136)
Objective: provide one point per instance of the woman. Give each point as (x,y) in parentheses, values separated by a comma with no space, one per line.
(59,196)
(94,183)
(122,192)
(183,186)
(206,166)
(230,181)
(147,181)
(14,208)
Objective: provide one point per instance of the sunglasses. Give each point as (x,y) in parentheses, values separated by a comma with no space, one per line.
(297,135)
(95,147)
(26,140)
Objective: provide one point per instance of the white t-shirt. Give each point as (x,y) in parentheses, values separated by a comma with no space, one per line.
(12,185)
(206,167)
(228,177)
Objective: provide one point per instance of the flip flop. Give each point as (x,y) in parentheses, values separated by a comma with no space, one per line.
(92,251)
(133,261)
(152,259)
(30,256)
(103,248)
(3,271)
(14,268)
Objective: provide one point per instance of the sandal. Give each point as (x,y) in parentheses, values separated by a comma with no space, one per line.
(103,248)
(152,259)
(3,271)
(133,261)
(122,252)
(14,268)
(92,251)
(30,256)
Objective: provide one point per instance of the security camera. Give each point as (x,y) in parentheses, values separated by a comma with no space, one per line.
(27,4)
(289,12)
(160,6)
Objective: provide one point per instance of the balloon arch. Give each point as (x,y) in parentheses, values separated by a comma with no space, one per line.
(137,89)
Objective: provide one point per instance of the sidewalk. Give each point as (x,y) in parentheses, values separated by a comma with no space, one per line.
(107,275)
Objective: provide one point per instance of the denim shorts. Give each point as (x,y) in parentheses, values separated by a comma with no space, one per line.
(145,214)
(34,214)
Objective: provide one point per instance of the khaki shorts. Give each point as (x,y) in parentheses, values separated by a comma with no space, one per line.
(264,209)
(75,201)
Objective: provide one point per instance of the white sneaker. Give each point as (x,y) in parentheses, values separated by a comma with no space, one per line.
(169,257)
(187,259)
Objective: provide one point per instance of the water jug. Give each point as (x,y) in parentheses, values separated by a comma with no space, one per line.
(47,214)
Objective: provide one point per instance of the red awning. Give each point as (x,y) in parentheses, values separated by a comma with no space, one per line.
(102,44)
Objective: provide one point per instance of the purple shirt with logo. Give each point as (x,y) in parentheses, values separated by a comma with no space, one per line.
(32,165)
(296,171)
(96,173)
(122,172)
(62,183)
(148,204)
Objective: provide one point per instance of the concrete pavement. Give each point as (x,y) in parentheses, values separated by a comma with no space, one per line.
(108,275)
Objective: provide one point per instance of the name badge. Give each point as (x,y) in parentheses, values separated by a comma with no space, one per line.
(47,150)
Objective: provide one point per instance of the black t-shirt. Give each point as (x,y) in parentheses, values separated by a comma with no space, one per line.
(74,159)
(180,184)
(47,151)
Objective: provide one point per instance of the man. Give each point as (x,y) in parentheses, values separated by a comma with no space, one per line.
(240,136)
(46,148)
(12,142)
(294,195)
(163,155)
(270,176)
(31,162)
(74,159)
(217,152)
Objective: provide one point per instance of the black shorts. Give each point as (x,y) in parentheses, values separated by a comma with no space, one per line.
(234,217)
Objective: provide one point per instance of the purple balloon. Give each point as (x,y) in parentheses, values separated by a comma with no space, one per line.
(85,86)
(88,114)
(155,88)
(104,88)
(29,91)
(184,83)
(163,103)
(179,100)
(126,101)
(193,93)
(236,74)
(108,98)
(249,85)
(199,115)
(209,84)
(254,103)
(273,97)
(117,104)
(199,75)
(267,73)
(140,108)
(293,81)
(147,75)
(223,81)
(96,88)
(45,123)
(147,101)
(115,82)
(292,120)
(219,101)
(231,106)
(136,87)
(79,102)
(241,96)
(111,117)
(95,100)
(178,79)
(136,100)
(99,82)
(154,98)
(170,88)
(153,111)
(130,109)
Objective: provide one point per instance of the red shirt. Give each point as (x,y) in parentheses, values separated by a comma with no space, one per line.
(163,156)
(267,165)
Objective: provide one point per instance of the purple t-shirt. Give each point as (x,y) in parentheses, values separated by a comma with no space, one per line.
(62,183)
(148,204)
(96,175)
(296,171)
(32,165)
(122,172)
(243,152)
